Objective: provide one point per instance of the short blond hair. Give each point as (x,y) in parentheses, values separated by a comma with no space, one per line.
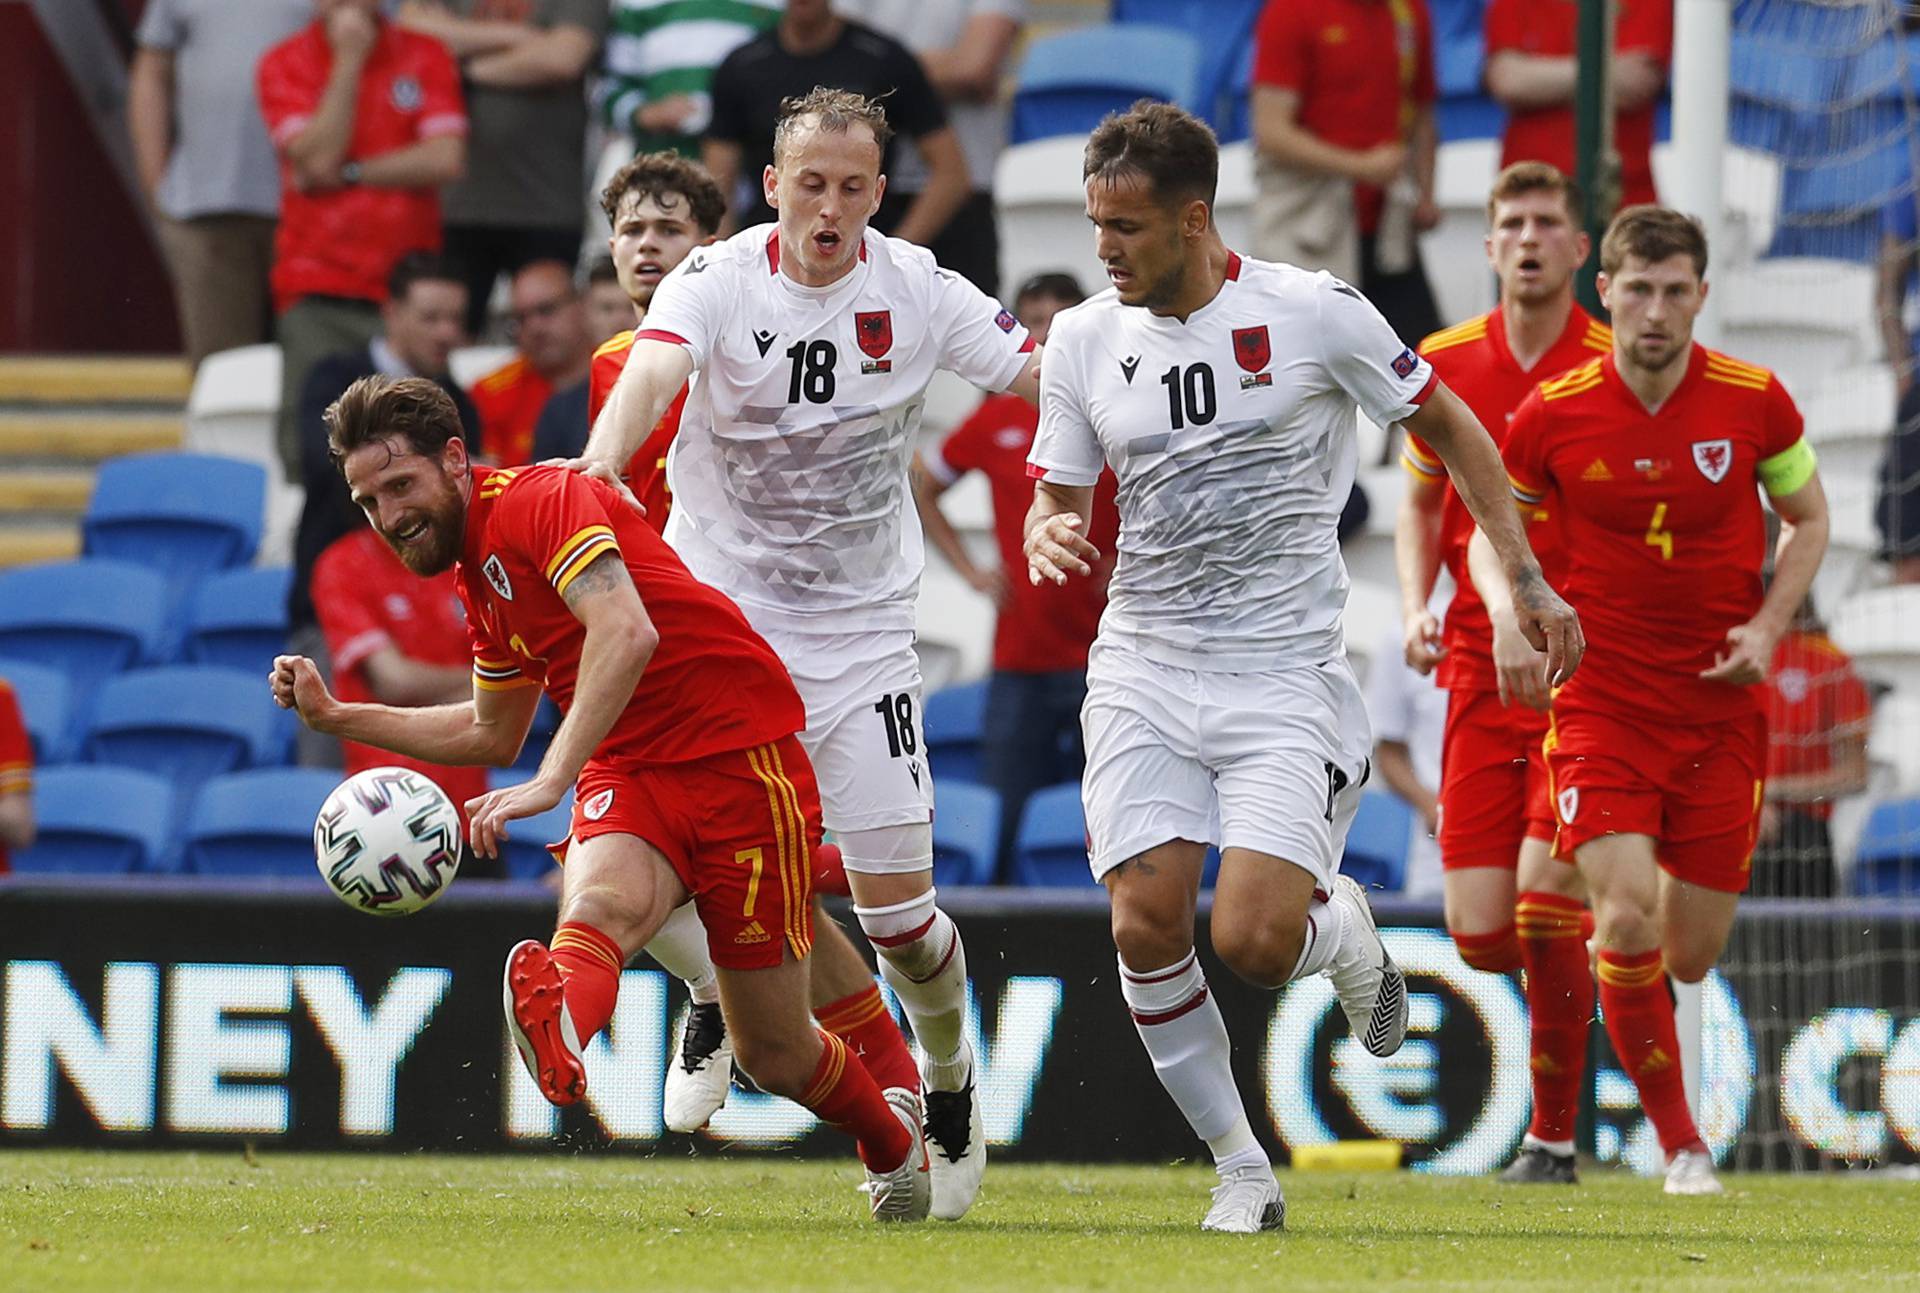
(1537,177)
(831,110)
(1652,234)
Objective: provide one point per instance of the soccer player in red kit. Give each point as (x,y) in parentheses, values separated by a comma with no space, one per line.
(1496,818)
(1649,458)
(679,735)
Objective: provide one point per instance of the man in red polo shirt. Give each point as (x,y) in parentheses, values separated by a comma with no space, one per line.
(1344,142)
(549,321)
(1032,735)
(368,122)
(16,778)
(396,638)
(1531,68)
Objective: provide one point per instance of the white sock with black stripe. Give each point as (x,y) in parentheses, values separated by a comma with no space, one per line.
(1326,928)
(1179,1022)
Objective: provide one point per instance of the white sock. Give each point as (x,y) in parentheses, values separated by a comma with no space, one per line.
(1326,929)
(1558,1148)
(925,963)
(680,946)
(1180,1024)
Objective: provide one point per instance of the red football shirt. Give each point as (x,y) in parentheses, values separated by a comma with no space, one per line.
(1329,53)
(713,684)
(1474,362)
(1662,523)
(1040,629)
(344,242)
(1814,697)
(646,473)
(1550,28)
(366,600)
(16,755)
(509,400)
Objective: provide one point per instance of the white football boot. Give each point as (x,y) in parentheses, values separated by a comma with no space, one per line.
(701,1071)
(1372,991)
(956,1146)
(905,1193)
(1691,1172)
(1246,1201)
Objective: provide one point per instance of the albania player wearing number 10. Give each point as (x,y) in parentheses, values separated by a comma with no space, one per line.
(1649,458)
(679,736)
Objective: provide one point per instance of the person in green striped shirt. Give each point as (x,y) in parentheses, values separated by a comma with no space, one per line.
(660,55)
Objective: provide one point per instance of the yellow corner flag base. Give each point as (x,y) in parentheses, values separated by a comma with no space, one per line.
(1348,1156)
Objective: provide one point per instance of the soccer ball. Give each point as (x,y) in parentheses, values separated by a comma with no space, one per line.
(388,841)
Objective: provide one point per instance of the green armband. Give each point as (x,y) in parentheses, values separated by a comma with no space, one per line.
(1789,469)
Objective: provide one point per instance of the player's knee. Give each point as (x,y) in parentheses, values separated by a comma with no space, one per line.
(609,908)
(1626,926)
(1687,965)
(779,1069)
(1495,952)
(1262,953)
(1147,937)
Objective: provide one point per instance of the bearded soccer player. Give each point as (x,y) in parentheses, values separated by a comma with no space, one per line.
(1496,818)
(678,736)
(814,340)
(1220,707)
(661,206)
(1651,458)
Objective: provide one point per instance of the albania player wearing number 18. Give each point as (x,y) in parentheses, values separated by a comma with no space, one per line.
(814,340)
(1508,901)
(1649,457)
(1220,707)
(660,207)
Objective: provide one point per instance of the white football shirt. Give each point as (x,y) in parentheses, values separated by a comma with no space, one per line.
(789,472)
(1233,437)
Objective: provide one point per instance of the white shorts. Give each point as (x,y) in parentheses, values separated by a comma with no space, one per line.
(1271,762)
(862,692)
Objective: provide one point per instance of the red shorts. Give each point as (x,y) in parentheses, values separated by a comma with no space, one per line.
(1695,789)
(1493,781)
(741,830)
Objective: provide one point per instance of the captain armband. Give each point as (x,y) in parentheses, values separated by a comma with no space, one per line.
(1789,469)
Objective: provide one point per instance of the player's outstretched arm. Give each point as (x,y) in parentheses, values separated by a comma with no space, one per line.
(485,731)
(655,372)
(1057,543)
(1451,430)
(1416,561)
(1803,542)
(1520,670)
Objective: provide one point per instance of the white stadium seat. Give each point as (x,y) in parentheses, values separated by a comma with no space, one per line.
(1043,213)
(470,363)
(1849,417)
(1876,628)
(232,411)
(1893,743)
(1804,318)
(955,628)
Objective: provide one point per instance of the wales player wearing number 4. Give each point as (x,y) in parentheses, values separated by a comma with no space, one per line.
(1652,458)
(1220,707)
(810,344)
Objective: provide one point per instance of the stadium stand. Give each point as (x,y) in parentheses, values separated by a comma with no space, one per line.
(89,618)
(188,723)
(238,618)
(46,707)
(99,821)
(183,514)
(257,822)
(1377,841)
(951,725)
(1051,847)
(1883,864)
(1067,82)
(966,831)
(525,851)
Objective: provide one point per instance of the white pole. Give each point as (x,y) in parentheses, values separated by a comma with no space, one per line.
(1702,55)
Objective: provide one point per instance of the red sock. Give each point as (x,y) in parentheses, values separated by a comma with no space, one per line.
(843,1093)
(1639,1011)
(862,1022)
(590,965)
(1560,1006)
(1497,952)
(830,871)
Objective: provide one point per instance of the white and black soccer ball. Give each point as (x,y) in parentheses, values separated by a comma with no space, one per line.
(388,841)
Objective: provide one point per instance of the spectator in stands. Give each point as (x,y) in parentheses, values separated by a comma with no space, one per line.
(1344,146)
(523,197)
(205,162)
(1899,276)
(395,638)
(16,778)
(1897,506)
(369,122)
(963,46)
(813,47)
(561,431)
(1409,716)
(1531,70)
(1818,715)
(548,321)
(609,312)
(424,319)
(1032,737)
(660,59)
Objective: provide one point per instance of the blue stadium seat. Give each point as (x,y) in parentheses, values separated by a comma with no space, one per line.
(238,618)
(1888,858)
(46,707)
(1067,82)
(186,722)
(1236,101)
(1469,116)
(966,832)
(257,823)
(88,619)
(183,514)
(952,723)
(1377,841)
(546,721)
(1225,30)
(525,851)
(101,821)
(1051,848)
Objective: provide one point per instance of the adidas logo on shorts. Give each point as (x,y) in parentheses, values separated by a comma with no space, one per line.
(753,933)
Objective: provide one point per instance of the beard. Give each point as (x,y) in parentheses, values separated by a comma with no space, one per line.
(434,550)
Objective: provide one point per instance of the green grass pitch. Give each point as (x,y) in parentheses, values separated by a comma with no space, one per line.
(74,1221)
